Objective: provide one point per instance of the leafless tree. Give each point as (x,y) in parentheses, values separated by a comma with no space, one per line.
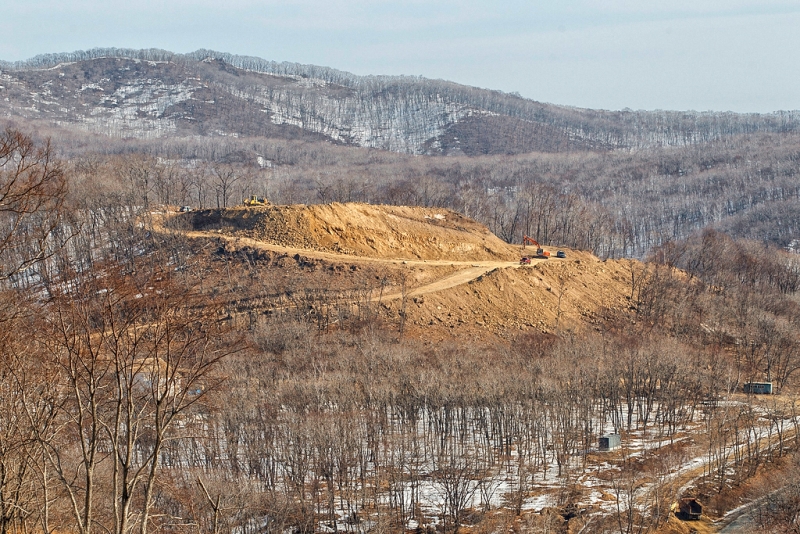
(224,178)
(137,358)
(32,193)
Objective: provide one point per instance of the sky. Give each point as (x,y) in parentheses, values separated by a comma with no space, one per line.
(721,55)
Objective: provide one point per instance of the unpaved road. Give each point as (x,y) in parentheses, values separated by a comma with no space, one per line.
(743,524)
(471,269)
(740,521)
(456,279)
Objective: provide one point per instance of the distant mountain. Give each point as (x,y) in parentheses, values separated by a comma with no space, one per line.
(155,93)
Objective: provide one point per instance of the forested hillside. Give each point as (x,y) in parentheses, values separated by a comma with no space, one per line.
(155,93)
(616,204)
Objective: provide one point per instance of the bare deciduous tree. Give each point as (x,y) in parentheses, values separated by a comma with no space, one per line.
(32,191)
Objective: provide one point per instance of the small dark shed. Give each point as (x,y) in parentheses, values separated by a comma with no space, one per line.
(758,388)
(689,509)
(609,441)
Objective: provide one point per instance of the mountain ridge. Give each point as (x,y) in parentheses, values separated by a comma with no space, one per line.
(153,93)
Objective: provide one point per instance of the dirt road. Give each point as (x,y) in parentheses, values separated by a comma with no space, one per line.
(463,276)
(471,270)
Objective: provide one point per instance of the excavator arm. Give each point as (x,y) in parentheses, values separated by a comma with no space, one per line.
(540,252)
(530,241)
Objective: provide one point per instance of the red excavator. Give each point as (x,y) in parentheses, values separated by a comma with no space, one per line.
(540,252)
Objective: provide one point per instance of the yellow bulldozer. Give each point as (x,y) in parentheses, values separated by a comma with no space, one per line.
(255,200)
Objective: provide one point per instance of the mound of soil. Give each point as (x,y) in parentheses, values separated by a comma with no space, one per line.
(388,232)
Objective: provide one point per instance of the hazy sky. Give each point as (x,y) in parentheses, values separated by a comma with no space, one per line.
(740,55)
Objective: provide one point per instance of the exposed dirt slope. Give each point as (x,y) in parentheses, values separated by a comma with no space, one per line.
(386,232)
(459,278)
(548,295)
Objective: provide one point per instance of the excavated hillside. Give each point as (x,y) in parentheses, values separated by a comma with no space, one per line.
(385,232)
(546,296)
(442,273)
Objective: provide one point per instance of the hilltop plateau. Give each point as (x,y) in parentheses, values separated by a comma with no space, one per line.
(386,232)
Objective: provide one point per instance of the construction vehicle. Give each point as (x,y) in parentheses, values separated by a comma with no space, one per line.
(255,200)
(540,252)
